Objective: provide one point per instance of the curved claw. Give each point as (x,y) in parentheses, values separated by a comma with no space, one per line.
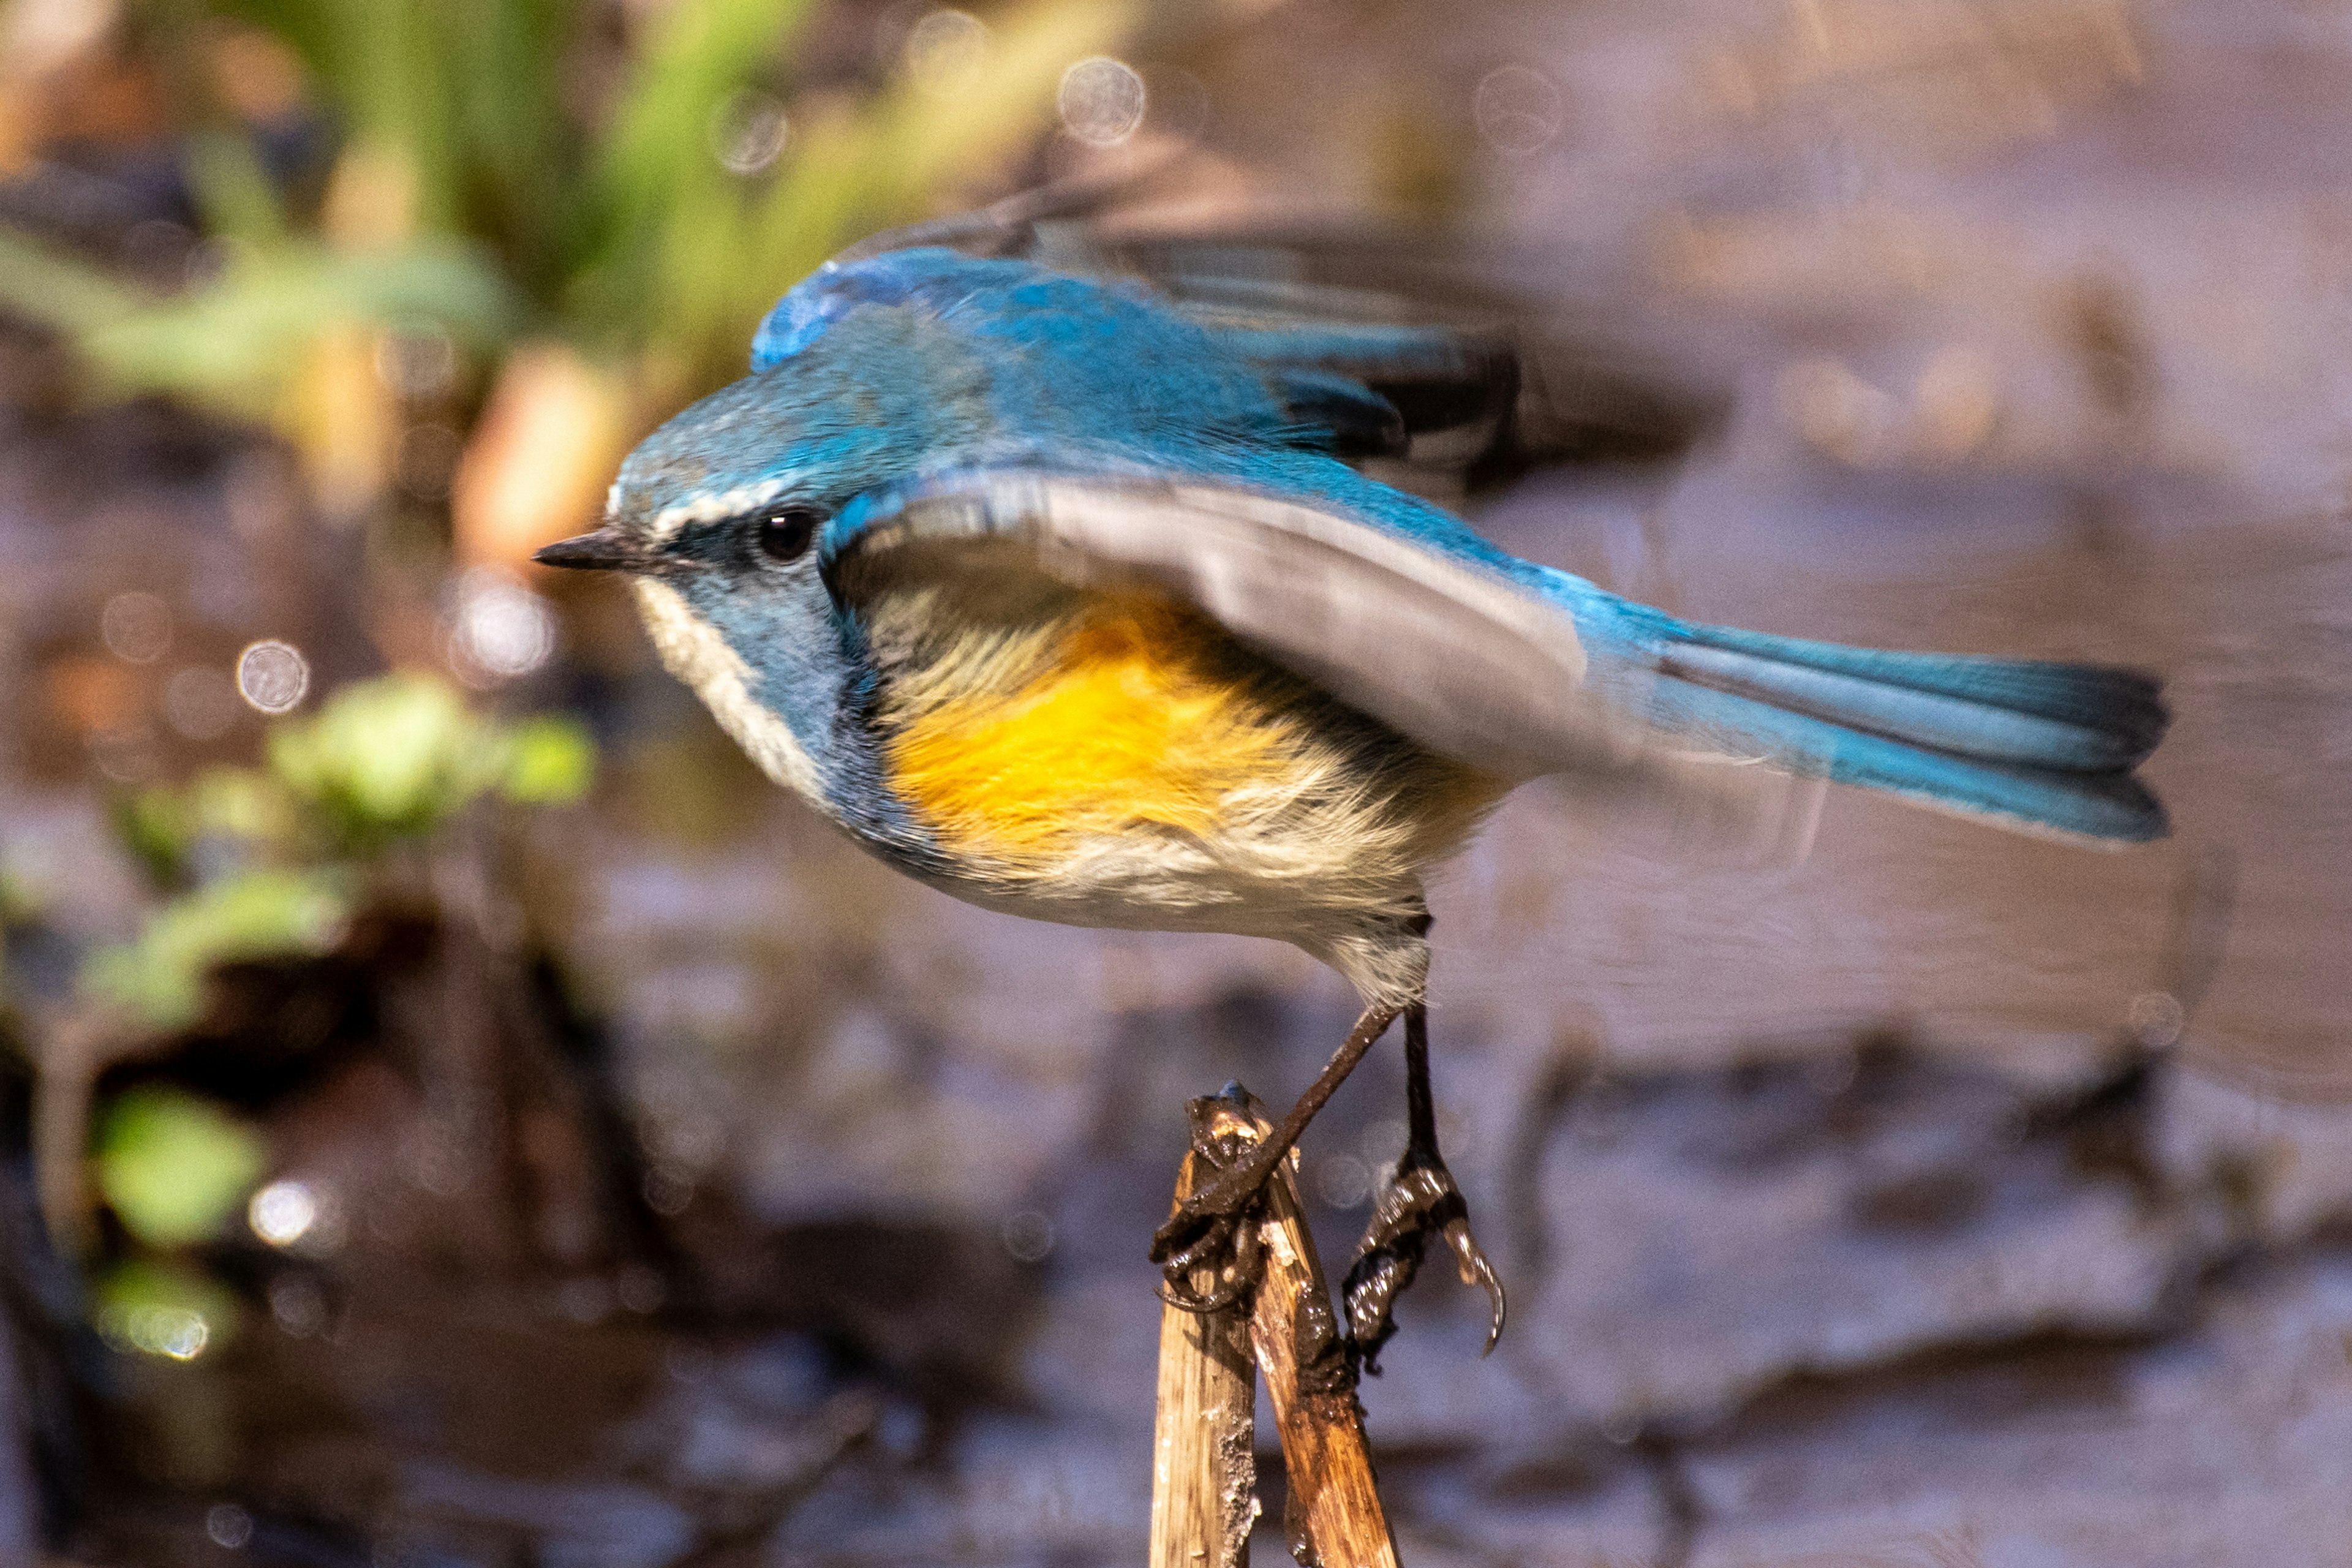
(1232,1253)
(1418,1200)
(1184,1300)
(1204,1249)
(1180,1227)
(1470,1262)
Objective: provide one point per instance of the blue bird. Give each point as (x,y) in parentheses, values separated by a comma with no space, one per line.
(1058,592)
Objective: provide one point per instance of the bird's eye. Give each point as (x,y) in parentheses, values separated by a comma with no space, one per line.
(785,534)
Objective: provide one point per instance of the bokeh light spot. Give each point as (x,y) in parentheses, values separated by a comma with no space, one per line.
(946,52)
(1517,109)
(2157,1018)
(1101,100)
(586,1300)
(298,1304)
(209,260)
(498,629)
(416,362)
(429,454)
(1029,1235)
(641,1290)
(1841,415)
(282,1213)
(175,1333)
(137,627)
(748,132)
(273,675)
(667,1190)
(125,756)
(1382,1141)
(228,1525)
(1343,1182)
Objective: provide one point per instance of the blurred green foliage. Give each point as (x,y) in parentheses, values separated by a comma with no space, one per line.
(398,756)
(385,760)
(476,194)
(549,760)
(268,862)
(157,979)
(176,1167)
(513,176)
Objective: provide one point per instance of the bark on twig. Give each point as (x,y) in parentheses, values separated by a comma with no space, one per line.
(1205,1465)
(1334,1518)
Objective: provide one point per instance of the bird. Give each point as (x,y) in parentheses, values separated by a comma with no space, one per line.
(1065,589)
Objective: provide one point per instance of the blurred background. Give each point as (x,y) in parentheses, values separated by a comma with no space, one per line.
(453,1112)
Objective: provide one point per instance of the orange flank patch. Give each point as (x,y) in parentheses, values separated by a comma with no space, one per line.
(1135,716)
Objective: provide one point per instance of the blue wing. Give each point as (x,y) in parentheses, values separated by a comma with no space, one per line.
(1524,671)
(1371,344)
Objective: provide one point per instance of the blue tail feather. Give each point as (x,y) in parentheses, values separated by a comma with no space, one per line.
(2118,715)
(2032,744)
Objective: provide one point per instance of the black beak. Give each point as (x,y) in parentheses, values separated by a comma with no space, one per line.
(606,550)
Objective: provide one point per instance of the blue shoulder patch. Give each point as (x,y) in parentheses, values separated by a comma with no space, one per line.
(931,275)
(1067,360)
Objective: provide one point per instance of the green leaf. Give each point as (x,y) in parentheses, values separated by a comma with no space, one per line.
(158,979)
(162,826)
(550,761)
(174,1167)
(387,757)
(471,98)
(699,54)
(519,151)
(236,342)
(59,292)
(700,254)
(242,804)
(20,899)
(400,755)
(156,826)
(388,64)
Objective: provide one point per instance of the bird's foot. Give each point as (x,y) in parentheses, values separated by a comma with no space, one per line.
(1209,1251)
(1418,1201)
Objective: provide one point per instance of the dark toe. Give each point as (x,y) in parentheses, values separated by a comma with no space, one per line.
(1418,1201)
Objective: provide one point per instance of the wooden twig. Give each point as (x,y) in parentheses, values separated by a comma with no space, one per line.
(1204,1432)
(1334,1518)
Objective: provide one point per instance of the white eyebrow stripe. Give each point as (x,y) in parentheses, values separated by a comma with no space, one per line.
(712,508)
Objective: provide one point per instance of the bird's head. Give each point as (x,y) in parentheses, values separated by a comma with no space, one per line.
(865,376)
(715,518)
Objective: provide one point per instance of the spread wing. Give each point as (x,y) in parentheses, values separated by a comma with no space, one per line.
(1454,657)
(1455,366)
(1488,377)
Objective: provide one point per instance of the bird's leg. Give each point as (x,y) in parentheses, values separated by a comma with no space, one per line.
(1206,1222)
(1417,1200)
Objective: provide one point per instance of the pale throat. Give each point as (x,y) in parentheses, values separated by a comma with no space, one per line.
(694,651)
